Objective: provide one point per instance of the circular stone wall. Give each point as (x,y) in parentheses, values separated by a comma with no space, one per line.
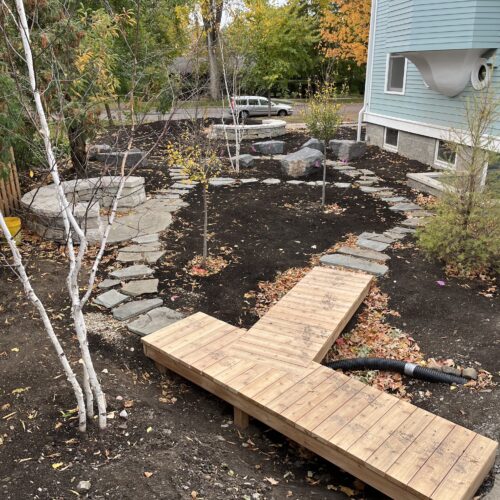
(267,129)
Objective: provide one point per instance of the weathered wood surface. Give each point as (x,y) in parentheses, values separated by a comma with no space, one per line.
(271,373)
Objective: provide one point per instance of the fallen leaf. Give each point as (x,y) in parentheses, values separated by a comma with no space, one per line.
(147,474)
(57,465)
(271,480)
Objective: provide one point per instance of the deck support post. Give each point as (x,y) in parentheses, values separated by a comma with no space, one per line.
(241,419)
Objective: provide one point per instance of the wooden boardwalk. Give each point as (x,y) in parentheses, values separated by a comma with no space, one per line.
(272,373)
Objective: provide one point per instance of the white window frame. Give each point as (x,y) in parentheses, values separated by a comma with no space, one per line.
(390,147)
(386,85)
(440,163)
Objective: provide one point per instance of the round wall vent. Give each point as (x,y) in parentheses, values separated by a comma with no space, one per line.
(481,74)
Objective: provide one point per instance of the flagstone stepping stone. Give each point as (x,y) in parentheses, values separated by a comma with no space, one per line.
(108,283)
(148,257)
(154,320)
(405,207)
(110,299)
(295,182)
(249,181)
(342,184)
(378,246)
(168,194)
(357,263)
(419,213)
(222,181)
(246,161)
(316,183)
(375,237)
(352,173)
(153,246)
(381,194)
(140,287)
(370,189)
(183,185)
(271,181)
(132,272)
(341,167)
(178,192)
(394,236)
(414,222)
(364,253)
(403,230)
(148,238)
(365,183)
(394,199)
(366,171)
(135,308)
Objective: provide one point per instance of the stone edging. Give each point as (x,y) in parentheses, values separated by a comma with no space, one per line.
(269,128)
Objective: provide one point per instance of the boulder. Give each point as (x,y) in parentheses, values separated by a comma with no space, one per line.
(301,163)
(96,149)
(346,150)
(269,147)
(246,161)
(314,144)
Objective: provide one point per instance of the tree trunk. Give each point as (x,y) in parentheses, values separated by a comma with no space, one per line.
(205,227)
(213,65)
(109,114)
(323,191)
(77,144)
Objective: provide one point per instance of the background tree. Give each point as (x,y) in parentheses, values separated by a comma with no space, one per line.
(465,233)
(345,28)
(323,117)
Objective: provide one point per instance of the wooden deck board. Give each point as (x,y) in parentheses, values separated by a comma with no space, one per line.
(271,373)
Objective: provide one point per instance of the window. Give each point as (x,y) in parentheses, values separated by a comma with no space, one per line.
(253,102)
(391,139)
(445,157)
(264,102)
(241,102)
(396,74)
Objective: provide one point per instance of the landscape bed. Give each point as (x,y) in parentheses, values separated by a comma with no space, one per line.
(177,438)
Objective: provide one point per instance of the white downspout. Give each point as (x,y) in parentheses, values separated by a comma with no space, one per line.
(369,67)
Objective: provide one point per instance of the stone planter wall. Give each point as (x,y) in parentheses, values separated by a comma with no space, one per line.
(268,129)
(87,197)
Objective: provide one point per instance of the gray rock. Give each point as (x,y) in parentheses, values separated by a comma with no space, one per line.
(352,173)
(365,183)
(394,199)
(366,171)
(147,257)
(110,299)
(83,486)
(96,149)
(405,207)
(403,230)
(370,189)
(148,238)
(372,244)
(295,182)
(314,144)
(271,181)
(133,309)
(363,253)
(347,150)
(450,370)
(154,320)
(393,235)
(469,373)
(269,147)
(342,184)
(246,161)
(132,272)
(354,263)
(419,213)
(342,167)
(413,222)
(301,163)
(108,283)
(140,287)
(376,237)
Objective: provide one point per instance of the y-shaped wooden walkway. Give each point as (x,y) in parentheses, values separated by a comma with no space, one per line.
(272,373)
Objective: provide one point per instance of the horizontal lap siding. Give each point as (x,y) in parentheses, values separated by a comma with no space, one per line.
(430,25)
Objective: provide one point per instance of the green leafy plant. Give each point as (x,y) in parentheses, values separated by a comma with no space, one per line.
(323,117)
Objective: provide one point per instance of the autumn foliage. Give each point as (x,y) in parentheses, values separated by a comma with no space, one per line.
(345,27)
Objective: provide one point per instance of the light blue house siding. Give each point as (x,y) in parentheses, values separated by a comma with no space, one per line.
(424,25)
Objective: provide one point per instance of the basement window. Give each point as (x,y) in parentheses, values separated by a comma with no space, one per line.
(391,139)
(395,78)
(445,156)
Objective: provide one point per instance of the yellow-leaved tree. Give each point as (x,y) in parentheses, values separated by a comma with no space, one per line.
(345,27)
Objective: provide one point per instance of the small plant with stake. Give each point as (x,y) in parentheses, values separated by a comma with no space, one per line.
(323,118)
(200,164)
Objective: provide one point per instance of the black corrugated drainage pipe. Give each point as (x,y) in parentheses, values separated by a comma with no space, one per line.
(394,365)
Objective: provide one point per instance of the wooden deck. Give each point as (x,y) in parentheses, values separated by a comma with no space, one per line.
(272,373)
